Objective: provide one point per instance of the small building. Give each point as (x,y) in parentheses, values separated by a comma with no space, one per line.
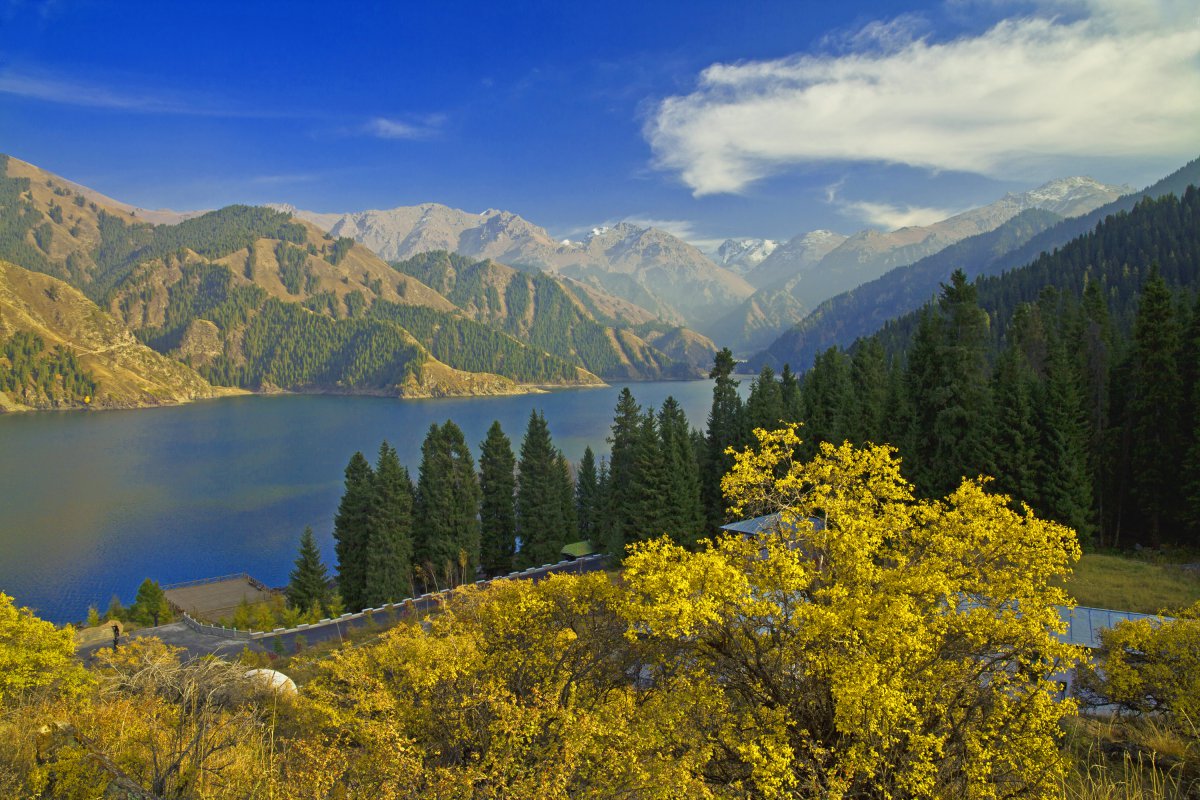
(576,550)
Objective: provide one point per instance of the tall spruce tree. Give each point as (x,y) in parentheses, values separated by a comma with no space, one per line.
(308,584)
(829,403)
(650,515)
(566,499)
(497,513)
(623,512)
(389,532)
(1015,446)
(950,391)
(869,387)
(681,490)
(446,538)
(789,395)
(587,496)
(1191,464)
(764,406)
(1154,407)
(540,523)
(350,532)
(1065,487)
(726,429)
(1094,349)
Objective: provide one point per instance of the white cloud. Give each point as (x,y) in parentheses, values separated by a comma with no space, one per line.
(1105,78)
(890,217)
(54,90)
(424,127)
(50,88)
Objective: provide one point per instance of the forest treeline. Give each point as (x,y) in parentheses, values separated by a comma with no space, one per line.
(536,308)
(43,377)
(1073,381)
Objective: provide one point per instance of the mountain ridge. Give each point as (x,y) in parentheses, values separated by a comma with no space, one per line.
(798,276)
(645,266)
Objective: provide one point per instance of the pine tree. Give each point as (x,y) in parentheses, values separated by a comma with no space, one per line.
(389,533)
(789,395)
(764,407)
(1191,464)
(1154,410)
(150,606)
(566,500)
(623,522)
(829,404)
(726,428)
(869,387)
(540,523)
(308,584)
(950,390)
(350,531)
(586,496)
(1095,343)
(1015,446)
(497,514)
(650,514)
(1065,488)
(446,540)
(681,490)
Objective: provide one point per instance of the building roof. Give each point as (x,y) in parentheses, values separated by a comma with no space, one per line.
(578,549)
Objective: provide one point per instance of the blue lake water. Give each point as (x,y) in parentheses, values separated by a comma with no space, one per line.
(93,502)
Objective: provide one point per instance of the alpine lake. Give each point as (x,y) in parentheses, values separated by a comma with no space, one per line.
(93,502)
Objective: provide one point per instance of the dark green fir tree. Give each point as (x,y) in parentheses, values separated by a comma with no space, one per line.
(389,532)
(350,532)
(308,584)
(497,512)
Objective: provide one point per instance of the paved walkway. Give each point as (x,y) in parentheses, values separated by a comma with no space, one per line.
(178,634)
(198,644)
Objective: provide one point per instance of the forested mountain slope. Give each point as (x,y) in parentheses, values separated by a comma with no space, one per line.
(1118,254)
(858,312)
(802,278)
(645,266)
(560,317)
(862,311)
(254,298)
(1074,381)
(58,349)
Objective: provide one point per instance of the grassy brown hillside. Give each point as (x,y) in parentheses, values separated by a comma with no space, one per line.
(115,369)
(256,299)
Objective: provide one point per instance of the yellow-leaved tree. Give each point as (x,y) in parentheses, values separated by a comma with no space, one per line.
(34,654)
(868,644)
(524,689)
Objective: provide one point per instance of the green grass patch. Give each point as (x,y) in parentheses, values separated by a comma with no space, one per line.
(1128,584)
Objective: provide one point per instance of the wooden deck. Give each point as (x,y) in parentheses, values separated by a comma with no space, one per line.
(213,600)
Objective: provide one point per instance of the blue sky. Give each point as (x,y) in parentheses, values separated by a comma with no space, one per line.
(714,119)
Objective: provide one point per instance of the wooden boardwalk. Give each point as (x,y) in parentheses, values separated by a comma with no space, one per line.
(214,599)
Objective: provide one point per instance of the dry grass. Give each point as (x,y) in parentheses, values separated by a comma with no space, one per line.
(1112,759)
(1127,584)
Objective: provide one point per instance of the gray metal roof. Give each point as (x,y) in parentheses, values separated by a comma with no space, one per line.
(1084,624)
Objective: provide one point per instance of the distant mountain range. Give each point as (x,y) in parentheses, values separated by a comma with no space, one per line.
(280,298)
(744,295)
(809,269)
(646,266)
(253,298)
(1039,228)
(743,255)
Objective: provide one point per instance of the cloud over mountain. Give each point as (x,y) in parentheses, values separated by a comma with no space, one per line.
(1075,80)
